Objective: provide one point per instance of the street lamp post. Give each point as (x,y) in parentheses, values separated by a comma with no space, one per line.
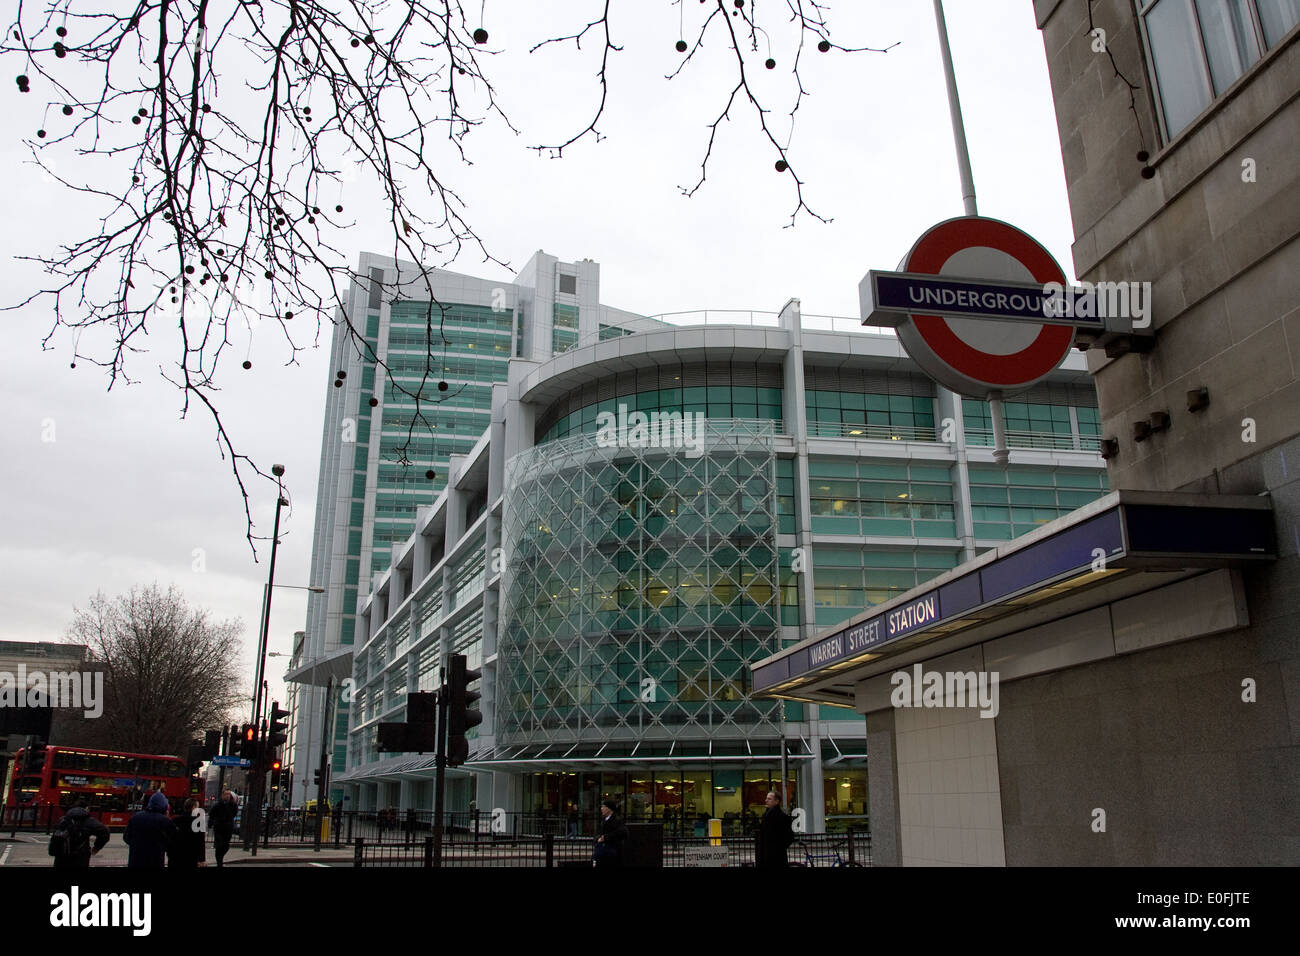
(258,776)
(286,773)
(280,502)
(259,700)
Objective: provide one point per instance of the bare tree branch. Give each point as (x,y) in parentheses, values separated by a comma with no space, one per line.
(170,671)
(214,140)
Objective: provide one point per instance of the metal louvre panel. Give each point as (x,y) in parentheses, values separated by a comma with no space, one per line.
(868,381)
(693,375)
(1058,393)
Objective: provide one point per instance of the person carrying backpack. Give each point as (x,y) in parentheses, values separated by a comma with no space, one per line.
(71,843)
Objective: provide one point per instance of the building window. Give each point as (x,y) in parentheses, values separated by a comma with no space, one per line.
(890,499)
(1009,502)
(724,398)
(1199,48)
(568,284)
(564,328)
(835,414)
(1033,425)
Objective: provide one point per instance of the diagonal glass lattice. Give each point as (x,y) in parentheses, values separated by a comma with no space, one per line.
(638,584)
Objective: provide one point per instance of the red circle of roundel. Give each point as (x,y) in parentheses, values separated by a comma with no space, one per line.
(1032,362)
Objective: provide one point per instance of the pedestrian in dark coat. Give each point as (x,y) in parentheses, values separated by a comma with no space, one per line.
(222,823)
(150,834)
(775,834)
(189,851)
(612,840)
(86,836)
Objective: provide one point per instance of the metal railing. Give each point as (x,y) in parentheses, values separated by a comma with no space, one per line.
(408,827)
(719,318)
(872,432)
(33,818)
(849,849)
(1045,441)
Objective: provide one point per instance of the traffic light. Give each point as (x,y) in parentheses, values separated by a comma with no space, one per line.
(234,740)
(418,733)
(394,737)
(34,755)
(316,777)
(211,743)
(461,716)
(278,732)
(275,774)
(197,754)
(248,742)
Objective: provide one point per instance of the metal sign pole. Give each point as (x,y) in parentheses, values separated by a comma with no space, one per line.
(1000,452)
(441,778)
(954,110)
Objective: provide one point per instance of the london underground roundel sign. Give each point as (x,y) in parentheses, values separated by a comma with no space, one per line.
(968,304)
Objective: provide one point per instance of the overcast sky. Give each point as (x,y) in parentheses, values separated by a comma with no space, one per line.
(128,493)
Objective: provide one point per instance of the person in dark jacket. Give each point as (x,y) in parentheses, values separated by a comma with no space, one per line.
(222,823)
(189,851)
(613,837)
(149,834)
(86,836)
(775,834)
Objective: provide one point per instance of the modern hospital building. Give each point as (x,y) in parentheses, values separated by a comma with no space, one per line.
(624,514)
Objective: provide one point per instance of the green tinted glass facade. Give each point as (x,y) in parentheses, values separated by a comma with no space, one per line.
(718,400)
(564,328)
(836,414)
(1009,502)
(868,497)
(465,346)
(1037,424)
(639,587)
(847,581)
(359,451)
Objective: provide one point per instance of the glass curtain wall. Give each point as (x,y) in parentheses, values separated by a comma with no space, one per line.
(682,800)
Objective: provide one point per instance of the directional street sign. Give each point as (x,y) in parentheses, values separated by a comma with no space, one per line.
(224,761)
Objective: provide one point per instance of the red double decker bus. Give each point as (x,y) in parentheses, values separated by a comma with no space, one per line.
(113,784)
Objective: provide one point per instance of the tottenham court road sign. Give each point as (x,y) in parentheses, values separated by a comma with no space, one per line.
(969,303)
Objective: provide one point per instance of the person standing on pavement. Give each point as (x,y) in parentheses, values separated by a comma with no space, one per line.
(150,834)
(222,823)
(775,834)
(77,838)
(189,850)
(613,837)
